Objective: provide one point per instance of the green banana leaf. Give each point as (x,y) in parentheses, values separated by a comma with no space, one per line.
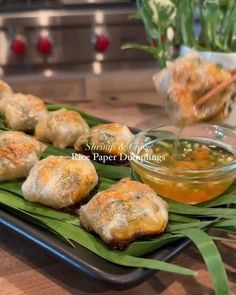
(66,226)
(211,257)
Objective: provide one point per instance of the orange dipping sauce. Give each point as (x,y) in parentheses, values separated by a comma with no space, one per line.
(186,171)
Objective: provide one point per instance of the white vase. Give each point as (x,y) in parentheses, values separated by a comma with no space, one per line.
(227,60)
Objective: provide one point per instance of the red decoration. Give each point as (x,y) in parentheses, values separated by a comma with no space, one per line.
(102,43)
(18,46)
(45,46)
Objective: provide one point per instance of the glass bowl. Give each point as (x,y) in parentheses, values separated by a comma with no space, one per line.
(189,185)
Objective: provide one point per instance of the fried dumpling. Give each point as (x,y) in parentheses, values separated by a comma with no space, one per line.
(5,90)
(109,139)
(59,181)
(124,212)
(18,154)
(22,112)
(63,128)
(186,80)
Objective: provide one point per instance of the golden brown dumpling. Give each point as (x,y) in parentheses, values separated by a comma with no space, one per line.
(63,128)
(59,181)
(109,139)
(5,89)
(18,153)
(5,92)
(22,112)
(124,212)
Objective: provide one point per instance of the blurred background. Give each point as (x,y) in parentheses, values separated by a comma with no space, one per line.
(70,51)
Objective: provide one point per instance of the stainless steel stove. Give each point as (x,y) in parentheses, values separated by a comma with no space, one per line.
(71,43)
(8,5)
(64,36)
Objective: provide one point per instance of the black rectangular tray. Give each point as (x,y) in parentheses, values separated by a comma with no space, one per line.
(83,259)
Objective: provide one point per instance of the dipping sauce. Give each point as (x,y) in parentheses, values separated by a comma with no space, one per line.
(188,169)
(187,154)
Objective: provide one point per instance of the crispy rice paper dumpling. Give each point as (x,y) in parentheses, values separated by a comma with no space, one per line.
(63,128)
(59,181)
(184,81)
(5,89)
(18,154)
(112,139)
(22,112)
(124,212)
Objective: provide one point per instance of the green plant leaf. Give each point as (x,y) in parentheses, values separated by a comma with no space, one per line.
(180,218)
(229,229)
(140,248)
(12,186)
(111,171)
(175,227)
(3,125)
(152,50)
(105,183)
(223,239)
(13,201)
(66,229)
(201,211)
(81,237)
(211,257)
(35,219)
(225,199)
(226,223)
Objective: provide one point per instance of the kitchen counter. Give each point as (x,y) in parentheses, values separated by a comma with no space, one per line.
(26,269)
